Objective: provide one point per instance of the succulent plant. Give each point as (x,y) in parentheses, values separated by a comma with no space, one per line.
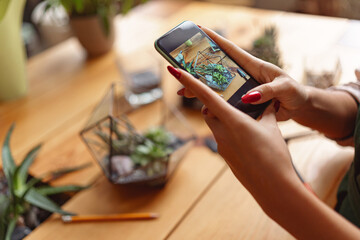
(21,191)
(142,148)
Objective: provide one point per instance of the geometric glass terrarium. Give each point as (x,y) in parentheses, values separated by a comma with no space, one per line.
(140,145)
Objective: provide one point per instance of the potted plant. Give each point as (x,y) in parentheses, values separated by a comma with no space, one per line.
(145,152)
(22,196)
(92,20)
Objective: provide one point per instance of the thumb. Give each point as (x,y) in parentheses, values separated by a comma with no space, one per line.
(265,92)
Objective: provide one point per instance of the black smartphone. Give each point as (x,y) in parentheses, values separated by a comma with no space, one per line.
(186,46)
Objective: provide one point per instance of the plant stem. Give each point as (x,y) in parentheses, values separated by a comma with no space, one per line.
(11,227)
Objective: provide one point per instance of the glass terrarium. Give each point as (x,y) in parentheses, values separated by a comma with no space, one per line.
(322,70)
(136,145)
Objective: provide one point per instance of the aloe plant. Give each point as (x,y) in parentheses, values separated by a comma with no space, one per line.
(22,191)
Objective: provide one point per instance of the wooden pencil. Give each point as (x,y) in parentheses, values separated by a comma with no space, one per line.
(110,217)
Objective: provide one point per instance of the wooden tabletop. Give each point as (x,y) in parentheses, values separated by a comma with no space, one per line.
(203,200)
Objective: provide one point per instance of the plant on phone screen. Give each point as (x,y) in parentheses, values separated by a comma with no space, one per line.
(189,67)
(218,73)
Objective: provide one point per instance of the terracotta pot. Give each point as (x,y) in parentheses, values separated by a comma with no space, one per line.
(91,34)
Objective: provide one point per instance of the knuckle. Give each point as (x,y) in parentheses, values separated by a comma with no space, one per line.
(291,85)
(268,90)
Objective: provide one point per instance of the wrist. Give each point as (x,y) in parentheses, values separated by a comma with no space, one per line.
(284,189)
(307,103)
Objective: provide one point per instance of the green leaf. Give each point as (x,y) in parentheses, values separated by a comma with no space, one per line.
(10,228)
(48,190)
(63,171)
(127,5)
(7,159)
(22,170)
(158,135)
(47,6)
(67,5)
(2,229)
(4,204)
(79,6)
(103,14)
(43,202)
(30,185)
(4,4)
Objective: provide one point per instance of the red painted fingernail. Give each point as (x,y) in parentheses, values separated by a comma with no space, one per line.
(176,73)
(205,111)
(277,106)
(251,97)
(199,26)
(181,92)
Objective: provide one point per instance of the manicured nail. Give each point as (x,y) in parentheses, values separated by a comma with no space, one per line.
(199,26)
(205,111)
(181,92)
(251,97)
(176,73)
(277,106)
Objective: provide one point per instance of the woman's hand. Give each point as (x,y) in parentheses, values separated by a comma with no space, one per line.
(259,158)
(276,84)
(254,150)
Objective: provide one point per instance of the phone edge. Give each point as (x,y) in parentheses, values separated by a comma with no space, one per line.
(159,50)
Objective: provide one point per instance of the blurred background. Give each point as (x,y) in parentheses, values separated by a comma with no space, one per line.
(43,30)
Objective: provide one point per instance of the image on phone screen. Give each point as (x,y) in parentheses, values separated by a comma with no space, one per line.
(204,60)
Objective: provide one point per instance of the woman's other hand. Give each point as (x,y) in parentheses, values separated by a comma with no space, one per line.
(275,83)
(332,113)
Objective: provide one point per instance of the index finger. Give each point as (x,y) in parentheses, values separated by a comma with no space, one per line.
(217,105)
(250,63)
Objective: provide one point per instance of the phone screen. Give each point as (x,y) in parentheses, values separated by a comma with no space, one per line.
(207,62)
(188,47)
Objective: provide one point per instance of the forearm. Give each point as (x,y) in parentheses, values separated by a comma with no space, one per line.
(330,112)
(303,215)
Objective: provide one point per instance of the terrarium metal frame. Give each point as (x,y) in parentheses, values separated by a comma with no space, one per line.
(120,147)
